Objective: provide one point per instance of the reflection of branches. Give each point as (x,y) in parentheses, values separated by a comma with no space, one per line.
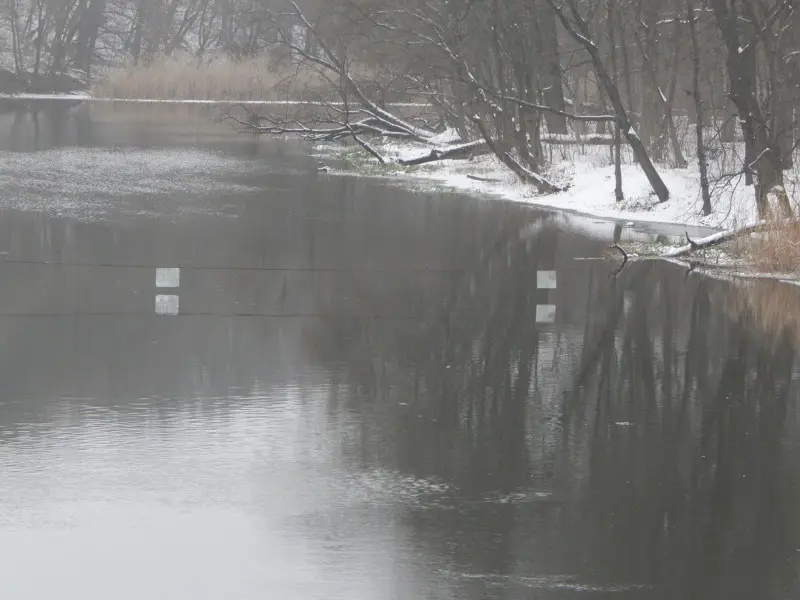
(593,350)
(619,248)
(670,439)
(703,478)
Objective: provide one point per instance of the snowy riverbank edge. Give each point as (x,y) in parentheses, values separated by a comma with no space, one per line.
(587,172)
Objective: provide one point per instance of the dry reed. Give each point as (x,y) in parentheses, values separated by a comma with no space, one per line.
(776,248)
(178,79)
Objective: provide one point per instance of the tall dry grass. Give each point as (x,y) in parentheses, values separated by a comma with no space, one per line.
(168,78)
(776,248)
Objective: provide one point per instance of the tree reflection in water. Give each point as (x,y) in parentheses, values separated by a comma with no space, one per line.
(648,437)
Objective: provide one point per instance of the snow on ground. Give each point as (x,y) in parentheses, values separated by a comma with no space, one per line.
(590,180)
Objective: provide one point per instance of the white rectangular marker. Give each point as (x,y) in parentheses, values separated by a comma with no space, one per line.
(168,278)
(545,313)
(546,280)
(167,304)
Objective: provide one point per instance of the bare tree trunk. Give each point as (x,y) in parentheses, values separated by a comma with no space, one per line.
(542,185)
(90,23)
(19,66)
(626,71)
(783,98)
(551,76)
(645,34)
(785,111)
(41,25)
(138,31)
(618,194)
(792,82)
(680,160)
(658,98)
(729,117)
(762,157)
(698,108)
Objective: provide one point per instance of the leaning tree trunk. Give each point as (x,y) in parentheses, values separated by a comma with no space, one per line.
(543,186)
(784,98)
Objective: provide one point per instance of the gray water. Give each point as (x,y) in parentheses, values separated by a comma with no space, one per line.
(361,391)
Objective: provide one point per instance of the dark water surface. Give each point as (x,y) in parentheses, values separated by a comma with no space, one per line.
(366,392)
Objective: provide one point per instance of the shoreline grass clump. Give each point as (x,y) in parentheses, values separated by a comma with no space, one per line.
(776,248)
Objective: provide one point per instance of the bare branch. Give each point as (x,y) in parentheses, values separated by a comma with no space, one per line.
(367,147)
(568,115)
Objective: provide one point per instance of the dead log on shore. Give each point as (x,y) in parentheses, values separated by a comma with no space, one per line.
(457,152)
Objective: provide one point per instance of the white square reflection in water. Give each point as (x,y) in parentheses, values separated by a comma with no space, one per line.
(166,304)
(545,313)
(546,280)
(168,278)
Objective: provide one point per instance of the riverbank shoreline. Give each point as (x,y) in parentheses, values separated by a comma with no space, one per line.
(586,176)
(485,176)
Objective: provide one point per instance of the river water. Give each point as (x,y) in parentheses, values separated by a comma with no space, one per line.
(229,375)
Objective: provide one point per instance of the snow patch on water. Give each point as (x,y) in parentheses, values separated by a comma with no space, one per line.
(90,182)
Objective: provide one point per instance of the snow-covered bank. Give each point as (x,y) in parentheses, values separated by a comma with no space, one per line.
(589,176)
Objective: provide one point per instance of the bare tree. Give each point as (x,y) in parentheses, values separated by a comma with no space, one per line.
(698,108)
(742,29)
(578,27)
(525,80)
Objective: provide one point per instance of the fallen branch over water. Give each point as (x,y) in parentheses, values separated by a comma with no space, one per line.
(716,239)
(696,245)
